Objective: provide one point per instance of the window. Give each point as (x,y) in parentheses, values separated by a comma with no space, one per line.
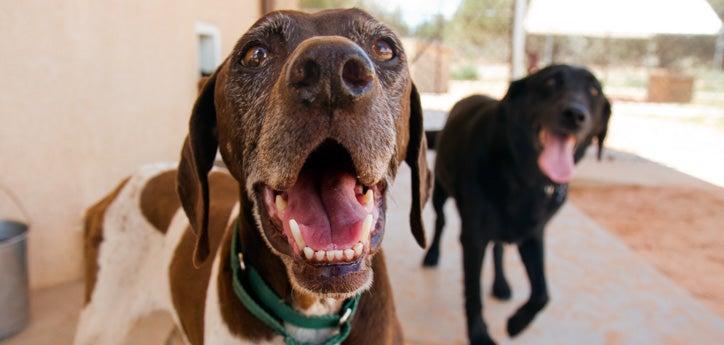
(209,47)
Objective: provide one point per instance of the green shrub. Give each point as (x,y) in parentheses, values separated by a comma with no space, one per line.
(467,72)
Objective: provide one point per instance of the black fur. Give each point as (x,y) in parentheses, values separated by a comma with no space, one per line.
(487,161)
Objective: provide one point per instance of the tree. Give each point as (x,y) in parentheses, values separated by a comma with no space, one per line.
(481,28)
(392,19)
(479,20)
(322,4)
(431,29)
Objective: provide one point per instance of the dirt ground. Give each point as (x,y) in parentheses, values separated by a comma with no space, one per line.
(678,229)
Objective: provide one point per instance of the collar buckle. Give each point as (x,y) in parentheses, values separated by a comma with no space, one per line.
(273,311)
(242,265)
(345,316)
(549,189)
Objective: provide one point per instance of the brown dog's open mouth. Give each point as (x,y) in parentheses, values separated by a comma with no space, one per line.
(328,217)
(556,157)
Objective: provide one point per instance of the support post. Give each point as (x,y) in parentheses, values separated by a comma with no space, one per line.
(518,52)
(719,51)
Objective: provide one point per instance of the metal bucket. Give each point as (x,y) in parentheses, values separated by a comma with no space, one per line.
(14,304)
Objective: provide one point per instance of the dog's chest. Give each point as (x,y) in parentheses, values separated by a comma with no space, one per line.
(527,210)
(217,330)
(322,306)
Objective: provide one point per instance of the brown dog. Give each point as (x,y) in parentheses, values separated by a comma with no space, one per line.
(312,115)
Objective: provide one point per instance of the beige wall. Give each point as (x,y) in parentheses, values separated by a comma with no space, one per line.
(91,90)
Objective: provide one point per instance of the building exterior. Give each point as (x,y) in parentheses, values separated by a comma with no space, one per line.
(429,62)
(90,91)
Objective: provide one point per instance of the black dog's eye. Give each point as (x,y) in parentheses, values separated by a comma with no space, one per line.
(382,50)
(255,56)
(551,82)
(593,91)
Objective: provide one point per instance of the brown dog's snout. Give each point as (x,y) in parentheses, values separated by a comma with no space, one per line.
(329,71)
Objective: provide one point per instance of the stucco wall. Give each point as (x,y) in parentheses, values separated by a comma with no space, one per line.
(90,91)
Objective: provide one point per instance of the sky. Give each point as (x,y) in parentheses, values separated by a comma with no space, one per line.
(414,12)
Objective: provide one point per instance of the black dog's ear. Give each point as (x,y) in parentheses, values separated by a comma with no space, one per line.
(603,126)
(416,158)
(515,89)
(197,159)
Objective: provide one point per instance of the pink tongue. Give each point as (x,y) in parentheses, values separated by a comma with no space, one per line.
(556,159)
(326,209)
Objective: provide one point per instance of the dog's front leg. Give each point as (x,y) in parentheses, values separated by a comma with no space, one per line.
(439,196)
(501,288)
(473,254)
(531,252)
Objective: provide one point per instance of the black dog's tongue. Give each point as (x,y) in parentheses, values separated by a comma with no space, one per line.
(556,158)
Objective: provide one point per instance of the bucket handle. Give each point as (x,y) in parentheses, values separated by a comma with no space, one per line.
(14,198)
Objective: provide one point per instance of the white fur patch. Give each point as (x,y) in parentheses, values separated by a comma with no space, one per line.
(216,331)
(132,279)
(134,259)
(322,306)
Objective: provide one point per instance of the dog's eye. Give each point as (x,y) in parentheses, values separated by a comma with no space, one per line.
(551,82)
(593,91)
(255,56)
(382,51)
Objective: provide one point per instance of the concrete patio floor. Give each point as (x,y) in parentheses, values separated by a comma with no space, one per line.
(601,291)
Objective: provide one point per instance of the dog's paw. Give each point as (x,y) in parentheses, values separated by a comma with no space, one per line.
(478,332)
(518,322)
(501,291)
(525,315)
(431,258)
(482,339)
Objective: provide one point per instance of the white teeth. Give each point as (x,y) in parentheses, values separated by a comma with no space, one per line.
(358,248)
(294,228)
(308,253)
(369,200)
(334,255)
(319,255)
(280,203)
(366,228)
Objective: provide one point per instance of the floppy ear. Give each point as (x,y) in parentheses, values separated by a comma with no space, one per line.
(515,89)
(603,127)
(197,159)
(416,158)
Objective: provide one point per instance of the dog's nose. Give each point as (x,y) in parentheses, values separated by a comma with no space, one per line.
(330,71)
(574,116)
(356,75)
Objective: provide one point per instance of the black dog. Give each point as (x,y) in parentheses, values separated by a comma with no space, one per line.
(507,164)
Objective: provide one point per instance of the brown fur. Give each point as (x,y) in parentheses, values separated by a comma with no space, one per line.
(376,319)
(238,319)
(246,114)
(189,285)
(159,201)
(254,116)
(93,236)
(303,301)
(374,323)
(200,83)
